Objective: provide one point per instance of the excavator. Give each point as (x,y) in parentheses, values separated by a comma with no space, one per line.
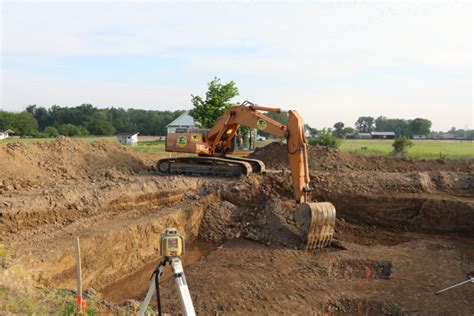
(315,220)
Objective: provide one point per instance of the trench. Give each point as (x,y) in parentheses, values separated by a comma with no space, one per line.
(135,285)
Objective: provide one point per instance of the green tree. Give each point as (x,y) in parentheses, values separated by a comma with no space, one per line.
(338,128)
(313,132)
(401,144)
(25,124)
(51,131)
(365,124)
(70,130)
(420,126)
(99,125)
(346,131)
(218,95)
(7,120)
(327,140)
(40,114)
(399,126)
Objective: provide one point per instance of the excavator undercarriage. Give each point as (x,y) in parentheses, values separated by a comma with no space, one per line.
(206,166)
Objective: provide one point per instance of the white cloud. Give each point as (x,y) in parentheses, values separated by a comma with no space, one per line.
(403,60)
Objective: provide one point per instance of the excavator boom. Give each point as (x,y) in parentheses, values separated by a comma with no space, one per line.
(316,220)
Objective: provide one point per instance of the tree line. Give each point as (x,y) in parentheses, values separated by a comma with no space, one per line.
(85,120)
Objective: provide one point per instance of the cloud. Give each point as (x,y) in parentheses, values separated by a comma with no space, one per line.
(334,60)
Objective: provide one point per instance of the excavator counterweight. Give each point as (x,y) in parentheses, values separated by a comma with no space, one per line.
(316,221)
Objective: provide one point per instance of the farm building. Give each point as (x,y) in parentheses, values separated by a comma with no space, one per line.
(183,121)
(127,138)
(419,137)
(364,135)
(6,134)
(382,135)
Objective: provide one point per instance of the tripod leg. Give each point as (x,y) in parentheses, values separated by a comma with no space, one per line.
(155,280)
(182,287)
(149,294)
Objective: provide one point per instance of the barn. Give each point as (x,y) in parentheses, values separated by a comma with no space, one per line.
(383,135)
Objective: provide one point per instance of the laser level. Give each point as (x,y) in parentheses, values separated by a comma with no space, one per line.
(171,248)
(171,244)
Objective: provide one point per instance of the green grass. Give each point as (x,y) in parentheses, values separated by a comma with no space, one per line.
(429,149)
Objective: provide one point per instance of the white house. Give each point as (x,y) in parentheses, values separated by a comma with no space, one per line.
(127,138)
(5,134)
(183,121)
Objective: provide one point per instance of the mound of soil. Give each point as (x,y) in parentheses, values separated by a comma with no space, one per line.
(275,156)
(30,165)
(24,164)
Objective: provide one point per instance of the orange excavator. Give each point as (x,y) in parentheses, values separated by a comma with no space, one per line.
(315,220)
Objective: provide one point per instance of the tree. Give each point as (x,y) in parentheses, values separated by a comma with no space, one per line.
(347,131)
(7,120)
(327,140)
(364,124)
(216,102)
(51,131)
(399,126)
(312,131)
(338,128)
(71,130)
(99,125)
(420,126)
(25,124)
(401,144)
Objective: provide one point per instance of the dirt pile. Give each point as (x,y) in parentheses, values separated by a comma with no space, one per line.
(275,156)
(256,208)
(34,164)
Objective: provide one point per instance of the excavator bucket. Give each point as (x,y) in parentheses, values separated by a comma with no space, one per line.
(316,222)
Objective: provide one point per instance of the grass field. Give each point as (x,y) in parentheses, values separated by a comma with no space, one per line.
(428,149)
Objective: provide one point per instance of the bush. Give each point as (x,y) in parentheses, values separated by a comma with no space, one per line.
(400,145)
(327,140)
(72,130)
(51,131)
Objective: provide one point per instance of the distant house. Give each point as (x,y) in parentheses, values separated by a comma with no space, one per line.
(184,121)
(6,134)
(127,138)
(382,135)
(447,136)
(363,135)
(419,136)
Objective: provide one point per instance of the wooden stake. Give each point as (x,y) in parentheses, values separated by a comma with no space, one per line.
(79,274)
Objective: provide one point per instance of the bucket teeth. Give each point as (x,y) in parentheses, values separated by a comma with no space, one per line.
(316,222)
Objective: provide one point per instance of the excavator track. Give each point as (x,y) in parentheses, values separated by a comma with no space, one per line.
(204,166)
(257,165)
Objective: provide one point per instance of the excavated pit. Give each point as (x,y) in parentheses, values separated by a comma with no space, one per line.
(403,230)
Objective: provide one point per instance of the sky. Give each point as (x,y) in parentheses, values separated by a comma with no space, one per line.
(331,61)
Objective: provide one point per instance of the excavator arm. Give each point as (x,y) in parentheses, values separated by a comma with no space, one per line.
(248,114)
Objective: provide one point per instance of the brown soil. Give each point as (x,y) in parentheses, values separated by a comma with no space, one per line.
(328,159)
(403,230)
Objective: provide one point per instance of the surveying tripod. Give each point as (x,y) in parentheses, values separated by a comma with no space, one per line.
(172,248)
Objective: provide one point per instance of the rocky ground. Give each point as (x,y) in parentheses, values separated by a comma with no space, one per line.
(404,229)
